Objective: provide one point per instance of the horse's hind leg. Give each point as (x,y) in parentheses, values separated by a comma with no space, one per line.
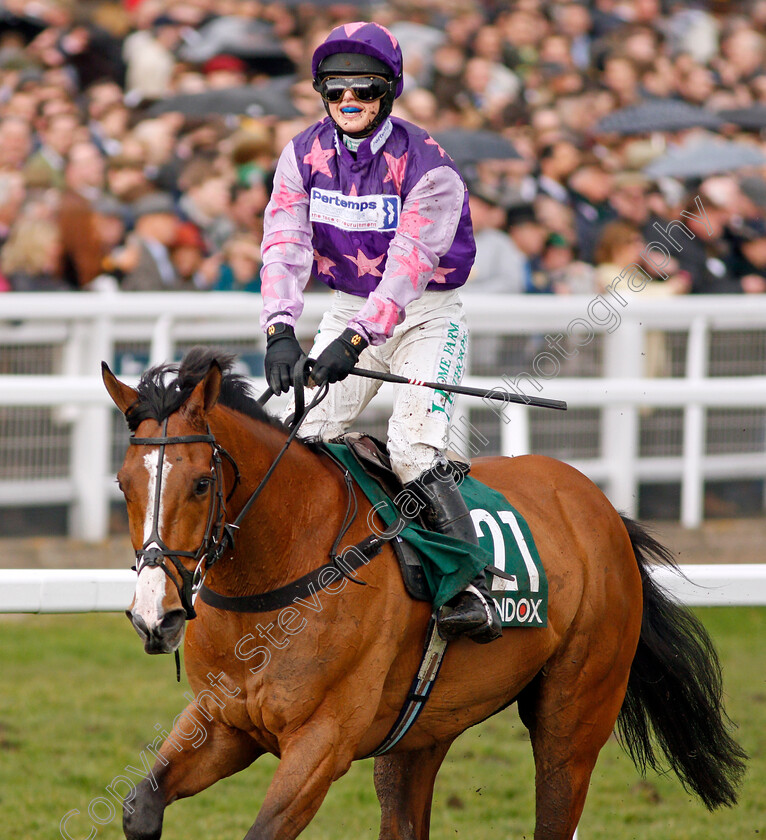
(570,711)
(404,783)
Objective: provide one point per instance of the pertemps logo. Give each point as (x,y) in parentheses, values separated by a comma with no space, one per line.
(364,212)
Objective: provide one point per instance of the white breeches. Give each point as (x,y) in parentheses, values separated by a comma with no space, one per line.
(430,344)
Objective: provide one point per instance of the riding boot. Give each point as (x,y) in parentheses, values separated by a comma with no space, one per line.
(472,611)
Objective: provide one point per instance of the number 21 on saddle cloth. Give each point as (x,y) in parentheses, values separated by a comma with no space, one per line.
(505,544)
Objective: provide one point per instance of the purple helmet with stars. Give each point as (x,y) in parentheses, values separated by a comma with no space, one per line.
(361,39)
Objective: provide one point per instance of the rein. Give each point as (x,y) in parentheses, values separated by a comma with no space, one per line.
(301,412)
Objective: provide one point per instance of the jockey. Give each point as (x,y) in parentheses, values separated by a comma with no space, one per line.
(374,207)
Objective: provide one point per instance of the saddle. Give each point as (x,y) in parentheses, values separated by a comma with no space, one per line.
(372,456)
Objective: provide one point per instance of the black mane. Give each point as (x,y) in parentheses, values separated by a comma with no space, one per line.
(165,388)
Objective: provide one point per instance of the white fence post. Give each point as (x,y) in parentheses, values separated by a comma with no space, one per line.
(619,439)
(162,340)
(693,480)
(89,515)
(514,434)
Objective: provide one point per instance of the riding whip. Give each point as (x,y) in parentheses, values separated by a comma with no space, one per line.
(501,396)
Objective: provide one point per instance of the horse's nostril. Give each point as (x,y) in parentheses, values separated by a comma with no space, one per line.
(139,624)
(172,622)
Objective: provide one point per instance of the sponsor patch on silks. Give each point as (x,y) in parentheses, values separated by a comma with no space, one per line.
(521,597)
(352,212)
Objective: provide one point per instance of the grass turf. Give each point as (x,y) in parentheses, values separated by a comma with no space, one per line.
(80,701)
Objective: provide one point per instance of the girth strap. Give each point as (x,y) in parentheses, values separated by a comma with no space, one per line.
(433,656)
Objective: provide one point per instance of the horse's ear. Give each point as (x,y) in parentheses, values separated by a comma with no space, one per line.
(123,395)
(205,393)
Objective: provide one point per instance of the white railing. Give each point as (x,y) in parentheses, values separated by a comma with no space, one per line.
(111,590)
(87,327)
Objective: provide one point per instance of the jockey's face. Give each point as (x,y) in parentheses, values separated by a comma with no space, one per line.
(352,115)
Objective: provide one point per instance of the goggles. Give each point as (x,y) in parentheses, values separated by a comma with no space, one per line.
(364,88)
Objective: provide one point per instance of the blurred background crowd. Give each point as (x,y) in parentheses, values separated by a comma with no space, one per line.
(138,138)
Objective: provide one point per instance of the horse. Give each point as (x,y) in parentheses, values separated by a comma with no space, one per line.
(321,685)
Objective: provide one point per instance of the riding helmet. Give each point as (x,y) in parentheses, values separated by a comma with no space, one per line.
(361,49)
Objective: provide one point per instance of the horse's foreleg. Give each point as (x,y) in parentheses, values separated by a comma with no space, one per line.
(309,764)
(404,783)
(186,764)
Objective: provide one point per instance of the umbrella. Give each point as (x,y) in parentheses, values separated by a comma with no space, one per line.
(703,157)
(753,118)
(466,146)
(658,115)
(28,26)
(230,35)
(417,36)
(271,98)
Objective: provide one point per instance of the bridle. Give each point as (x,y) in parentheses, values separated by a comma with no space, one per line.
(218,534)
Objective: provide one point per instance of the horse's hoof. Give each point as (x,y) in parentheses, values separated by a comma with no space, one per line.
(142,815)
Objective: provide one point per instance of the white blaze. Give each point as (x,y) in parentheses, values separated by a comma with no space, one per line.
(150,588)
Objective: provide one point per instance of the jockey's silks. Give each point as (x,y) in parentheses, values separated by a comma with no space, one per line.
(384,224)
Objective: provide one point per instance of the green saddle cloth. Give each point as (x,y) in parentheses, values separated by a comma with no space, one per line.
(449,564)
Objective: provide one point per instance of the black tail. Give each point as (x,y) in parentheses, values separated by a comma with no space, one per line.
(675,692)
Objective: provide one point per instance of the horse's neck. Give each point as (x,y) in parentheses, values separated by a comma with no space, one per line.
(290,528)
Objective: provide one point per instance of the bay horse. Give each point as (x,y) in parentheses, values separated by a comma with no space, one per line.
(321,686)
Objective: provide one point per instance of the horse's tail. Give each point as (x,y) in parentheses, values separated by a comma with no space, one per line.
(675,692)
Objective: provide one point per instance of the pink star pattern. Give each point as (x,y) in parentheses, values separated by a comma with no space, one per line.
(324,264)
(280,238)
(280,242)
(366,265)
(440,275)
(353,190)
(411,221)
(285,199)
(432,142)
(318,158)
(385,316)
(396,167)
(350,28)
(412,267)
(394,42)
(269,280)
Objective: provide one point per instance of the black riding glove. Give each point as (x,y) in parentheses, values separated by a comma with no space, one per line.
(337,360)
(282,352)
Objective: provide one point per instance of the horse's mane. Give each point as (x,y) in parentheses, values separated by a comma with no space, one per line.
(165,388)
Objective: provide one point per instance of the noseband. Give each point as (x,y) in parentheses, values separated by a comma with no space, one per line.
(218,534)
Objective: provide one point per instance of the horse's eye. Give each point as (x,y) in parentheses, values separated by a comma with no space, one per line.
(202,485)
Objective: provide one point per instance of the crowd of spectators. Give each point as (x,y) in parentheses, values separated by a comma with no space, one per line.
(104,184)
